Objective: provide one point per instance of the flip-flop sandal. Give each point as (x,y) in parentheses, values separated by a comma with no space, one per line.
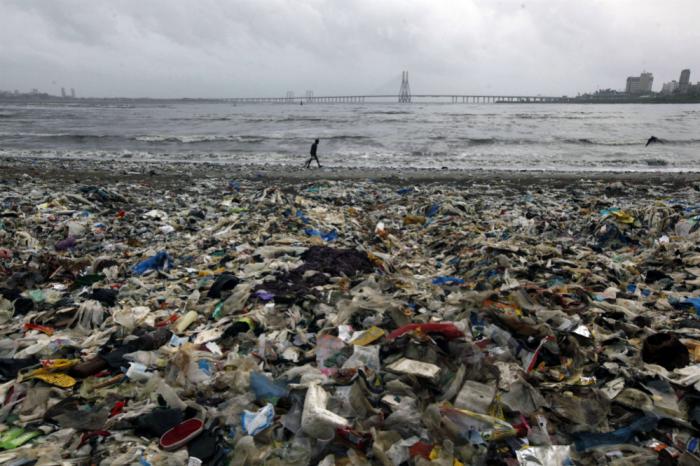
(48,366)
(19,441)
(25,372)
(182,433)
(47,374)
(58,379)
(11,434)
(59,364)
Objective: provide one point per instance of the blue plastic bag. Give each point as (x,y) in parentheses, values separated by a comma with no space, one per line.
(434,209)
(266,389)
(695,302)
(445,280)
(160,261)
(328,236)
(587,440)
(632,288)
(300,215)
(205,366)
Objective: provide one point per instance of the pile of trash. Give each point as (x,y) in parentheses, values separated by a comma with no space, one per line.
(349,323)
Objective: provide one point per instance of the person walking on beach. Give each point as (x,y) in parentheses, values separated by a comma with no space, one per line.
(313,155)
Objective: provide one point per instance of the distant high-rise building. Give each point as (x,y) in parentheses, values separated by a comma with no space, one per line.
(639,84)
(63,92)
(669,87)
(72,92)
(645,82)
(684,82)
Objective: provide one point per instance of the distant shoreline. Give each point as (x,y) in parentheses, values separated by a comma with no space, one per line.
(640,100)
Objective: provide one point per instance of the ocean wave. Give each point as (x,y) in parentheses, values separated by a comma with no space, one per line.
(202,119)
(641,142)
(307,119)
(182,139)
(295,119)
(194,139)
(656,162)
(63,137)
(388,112)
(562,116)
(342,137)
(486,141)
(536,116)
(475,141)
(81,138)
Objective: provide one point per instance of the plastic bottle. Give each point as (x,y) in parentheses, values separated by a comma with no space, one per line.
(185,321)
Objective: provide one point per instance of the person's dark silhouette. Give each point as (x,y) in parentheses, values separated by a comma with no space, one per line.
(654,140)
(313,155)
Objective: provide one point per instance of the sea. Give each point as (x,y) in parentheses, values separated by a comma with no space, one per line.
(521,137)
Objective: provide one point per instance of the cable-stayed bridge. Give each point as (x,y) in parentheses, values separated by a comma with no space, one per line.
(360,99)
(404,96)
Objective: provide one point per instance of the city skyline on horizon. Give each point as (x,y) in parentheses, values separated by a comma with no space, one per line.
(307,92)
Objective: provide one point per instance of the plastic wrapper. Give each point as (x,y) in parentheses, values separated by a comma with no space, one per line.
(472,424)
(413,367)
(555,455)
(316,420)
(255,422)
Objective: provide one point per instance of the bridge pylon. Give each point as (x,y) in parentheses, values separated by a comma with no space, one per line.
(405,90)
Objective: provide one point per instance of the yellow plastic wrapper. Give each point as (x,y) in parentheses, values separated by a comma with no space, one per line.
(51,372)
(374,333)
(622,216)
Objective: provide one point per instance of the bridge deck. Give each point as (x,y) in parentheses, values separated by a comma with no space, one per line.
(453,98)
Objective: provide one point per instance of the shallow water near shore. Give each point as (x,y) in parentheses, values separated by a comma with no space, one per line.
(532,137)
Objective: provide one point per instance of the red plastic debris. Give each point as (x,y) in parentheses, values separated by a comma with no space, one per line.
(39,328)
(446,329)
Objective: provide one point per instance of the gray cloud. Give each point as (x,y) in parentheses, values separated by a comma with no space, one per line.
(213,48)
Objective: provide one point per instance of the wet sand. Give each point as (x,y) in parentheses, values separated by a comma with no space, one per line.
(173,174)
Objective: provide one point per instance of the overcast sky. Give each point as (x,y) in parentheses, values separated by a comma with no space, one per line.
(228,48)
